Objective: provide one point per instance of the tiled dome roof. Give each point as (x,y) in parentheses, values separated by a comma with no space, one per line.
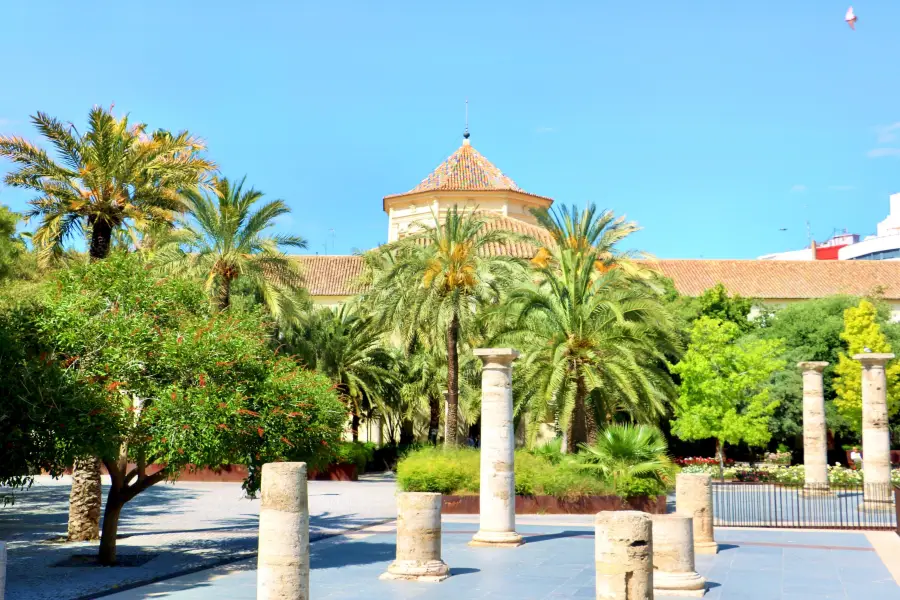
(466,169)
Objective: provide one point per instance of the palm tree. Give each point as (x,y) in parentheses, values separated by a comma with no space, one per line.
(435,281)
(226,243)
(595,342)
(348,348)
(625,451)
(112,176)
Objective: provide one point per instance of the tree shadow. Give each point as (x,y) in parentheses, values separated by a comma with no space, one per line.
(351,553)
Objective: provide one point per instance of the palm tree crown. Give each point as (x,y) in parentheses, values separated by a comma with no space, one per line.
(112,176)
(227,243)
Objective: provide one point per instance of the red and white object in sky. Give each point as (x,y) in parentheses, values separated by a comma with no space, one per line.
(850,18)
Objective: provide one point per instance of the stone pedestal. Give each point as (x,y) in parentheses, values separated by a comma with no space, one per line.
(497,525)
(283,563)
(623,546)
(418,539)
(673,557)
(693,498)
(815,436)
(876,441)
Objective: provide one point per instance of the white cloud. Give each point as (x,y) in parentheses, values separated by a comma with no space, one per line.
(887,133)
(840,188)
(546,130)
(797,189)
(881,152)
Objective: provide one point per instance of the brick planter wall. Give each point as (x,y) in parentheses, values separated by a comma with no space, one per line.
(533,505)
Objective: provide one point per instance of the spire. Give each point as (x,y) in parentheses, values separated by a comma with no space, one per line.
(466,134)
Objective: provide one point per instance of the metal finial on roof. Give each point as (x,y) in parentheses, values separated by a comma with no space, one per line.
(466,133)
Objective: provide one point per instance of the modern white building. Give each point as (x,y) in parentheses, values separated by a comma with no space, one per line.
(884,245)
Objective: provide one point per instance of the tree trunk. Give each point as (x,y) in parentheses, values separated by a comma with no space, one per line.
(450,433)
(434,421)
(85,501)
(590,418)
(354,426)
(101,237)
(720,454)
(225,294)
(114,504)
(578,429)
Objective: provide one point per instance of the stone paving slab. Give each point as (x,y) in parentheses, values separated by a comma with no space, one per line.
(557,562)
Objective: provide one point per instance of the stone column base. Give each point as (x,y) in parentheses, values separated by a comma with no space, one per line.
(499,539)
(817,489)
(876,505)
(706,548)
(432,571)
(678,584)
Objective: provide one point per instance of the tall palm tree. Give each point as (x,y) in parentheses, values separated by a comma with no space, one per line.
(348,348)
(113,175)
(595,341)
(435,282)
(227,242)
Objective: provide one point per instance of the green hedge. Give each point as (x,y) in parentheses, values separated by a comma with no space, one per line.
(457,472)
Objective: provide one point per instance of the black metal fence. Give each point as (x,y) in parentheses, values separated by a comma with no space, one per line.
(863,506)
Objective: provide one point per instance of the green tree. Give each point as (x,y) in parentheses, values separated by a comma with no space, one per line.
(11,246)
(112,176)
(724,392)
(862,333)
(347,347)
(227,242)
(186,385)
(715,303)
(435,281)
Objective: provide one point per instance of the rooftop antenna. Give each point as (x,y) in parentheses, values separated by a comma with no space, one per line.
(332,240)
(466,133)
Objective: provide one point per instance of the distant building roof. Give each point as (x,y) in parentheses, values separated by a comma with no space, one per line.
(767,280)
(466,170)
(774,279)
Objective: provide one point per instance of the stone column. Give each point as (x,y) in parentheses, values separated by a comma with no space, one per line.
(815,436)
(673,557)
(876,439)
(497,525)
(623,550)
(418,539)
(693,498)
(283,563)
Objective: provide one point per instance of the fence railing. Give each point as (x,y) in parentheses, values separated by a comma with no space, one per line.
(863,506)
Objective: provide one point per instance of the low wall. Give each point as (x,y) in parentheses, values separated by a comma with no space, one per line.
(550,505)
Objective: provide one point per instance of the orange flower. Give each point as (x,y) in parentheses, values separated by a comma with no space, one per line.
(259,430)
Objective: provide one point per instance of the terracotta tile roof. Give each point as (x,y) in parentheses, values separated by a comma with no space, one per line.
(465,170)
(332,275)
(785,279)
(520,249)
(339,275)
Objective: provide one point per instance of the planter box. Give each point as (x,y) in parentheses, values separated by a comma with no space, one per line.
(336,473)
(550,505)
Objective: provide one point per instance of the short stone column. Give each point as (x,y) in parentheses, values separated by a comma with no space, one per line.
(693,498)
(283,563)
(623,550)
(673,557)
(815,436)
(876,440)
(418,539)
(497,498)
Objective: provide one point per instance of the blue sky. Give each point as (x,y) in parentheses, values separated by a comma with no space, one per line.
(713,124)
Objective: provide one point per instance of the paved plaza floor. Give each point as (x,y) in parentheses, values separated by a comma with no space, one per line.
(558,562)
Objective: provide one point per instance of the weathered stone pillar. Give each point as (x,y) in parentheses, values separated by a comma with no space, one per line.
(498,484)
(623,550)
(876,450)
(283,563)
(673,557)
(418,539)
(815,436)
(693,498)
